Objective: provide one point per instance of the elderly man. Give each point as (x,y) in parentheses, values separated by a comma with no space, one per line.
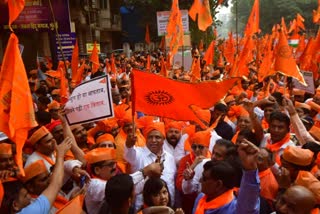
(139,157)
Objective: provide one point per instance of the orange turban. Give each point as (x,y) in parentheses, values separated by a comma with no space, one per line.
(298,156)
(159,126)
(315,132)
(36,168)
(108,124)
(144,121)
(52,125)
(237,111)
(37,135)
(174,125)
(100,154)
(202,138)
(105,137)
(53,105)
(5,149)
(123,113)
(307,180)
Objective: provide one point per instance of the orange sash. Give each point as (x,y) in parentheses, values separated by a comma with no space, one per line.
(48,159)
(234,138)
(264,124)
(275,147)
(60,202)
(218,202)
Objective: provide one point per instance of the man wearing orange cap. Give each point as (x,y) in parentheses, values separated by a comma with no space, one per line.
(45,190)
(174,142)
(102,165)
(200,150)
(53,109)
(140,157)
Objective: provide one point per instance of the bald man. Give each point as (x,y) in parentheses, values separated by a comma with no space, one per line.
(296,200)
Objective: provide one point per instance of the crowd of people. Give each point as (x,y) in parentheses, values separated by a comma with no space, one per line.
(258,152)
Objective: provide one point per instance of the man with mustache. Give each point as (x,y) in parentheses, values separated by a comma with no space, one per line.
(102,166)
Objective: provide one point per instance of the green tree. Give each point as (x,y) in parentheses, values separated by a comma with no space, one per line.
(271,12)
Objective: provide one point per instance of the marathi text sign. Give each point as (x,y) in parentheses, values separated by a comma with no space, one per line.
(36,16)
(308,78)
(163,18)
(90,101)
(68,40)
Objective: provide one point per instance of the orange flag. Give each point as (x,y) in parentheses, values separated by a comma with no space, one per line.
(148,63)
(284,61)
(196,70)
(162,43)
(16,106)
(229,49)
(75,60)
(159,96)
(63,83)
(300,21)
(209,55)
(246,56)
(202,8)
(163,70)
(73,206)
(266,65)
(147,36)
(253,21)
(78,77)
(316,14)
(113,65)
(95,58)
(175,28)
(284,26)
(15,8)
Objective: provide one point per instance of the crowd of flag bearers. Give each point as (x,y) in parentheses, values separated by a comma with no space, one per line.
(232,136)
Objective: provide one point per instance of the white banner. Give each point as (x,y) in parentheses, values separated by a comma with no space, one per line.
(90,101)
(163,18)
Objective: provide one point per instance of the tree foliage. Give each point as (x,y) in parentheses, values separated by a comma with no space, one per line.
(271,12)
(149,8)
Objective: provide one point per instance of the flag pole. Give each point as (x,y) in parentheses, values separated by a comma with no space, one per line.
(59,43)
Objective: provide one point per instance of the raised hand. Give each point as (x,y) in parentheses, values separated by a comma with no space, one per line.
(248,154)
(131,140)
(64,147)
(188,173)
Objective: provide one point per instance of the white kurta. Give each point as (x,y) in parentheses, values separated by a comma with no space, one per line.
(140,157)
(177,152)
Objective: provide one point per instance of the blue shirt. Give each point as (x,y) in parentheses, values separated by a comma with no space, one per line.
(40,206)
(248,200)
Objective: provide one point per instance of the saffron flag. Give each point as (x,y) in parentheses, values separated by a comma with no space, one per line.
(316,14)
(15,8)
(175,28)
(167,98)
(253,21)
(75,61)
(73,206)
(148,62)
(195,70)
(209,55)
(147,36)
(284,61)
(202,8)
(95,58)
(163,70)
(63,83)
(16,106)
(113,65)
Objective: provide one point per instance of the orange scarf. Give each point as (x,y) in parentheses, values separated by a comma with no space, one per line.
(234,138)
(218,202)
(264,124)
(48,159)
(275,147)
(60,202)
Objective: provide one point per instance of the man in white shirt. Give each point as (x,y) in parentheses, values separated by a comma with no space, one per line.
(174,142)
(139,157)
